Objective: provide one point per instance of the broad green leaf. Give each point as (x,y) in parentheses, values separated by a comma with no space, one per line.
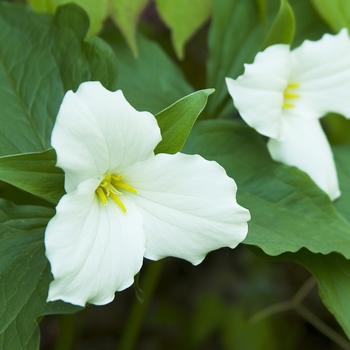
(35,173)
(125,14)
(150,82)
(282,29)
(24,276)
(177,120)
(183,17)
(41,57)
(342,160)
(288,210)
(97,11)
(235,37)
(336,13)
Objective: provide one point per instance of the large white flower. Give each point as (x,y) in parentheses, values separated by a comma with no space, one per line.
(283,93)
(124,203)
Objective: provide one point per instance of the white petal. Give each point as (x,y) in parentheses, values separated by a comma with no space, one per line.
(258,93)
(188,206)
(322,70)
(307,148)
(94,249)
(98,131)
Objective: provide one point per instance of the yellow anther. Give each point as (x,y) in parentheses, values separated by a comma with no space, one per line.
(116,181)
(292,86)
(108,188)
(288,95)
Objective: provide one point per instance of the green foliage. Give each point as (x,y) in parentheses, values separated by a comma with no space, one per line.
(24,275)
(97,14)
(59,60)
(177,120)
(336,13)
(232,42)
(150,82)
(35,173)
(183,18)
(126,13)
(282,29)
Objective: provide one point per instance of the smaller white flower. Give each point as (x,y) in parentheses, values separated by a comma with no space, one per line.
(124,203)
(283,93)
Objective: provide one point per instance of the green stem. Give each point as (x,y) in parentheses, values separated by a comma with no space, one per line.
(322,327)
(304,291)
(271,310)
(138,310)
(66,335)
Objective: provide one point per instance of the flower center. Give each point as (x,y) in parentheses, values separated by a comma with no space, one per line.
(109,187)
(288,95)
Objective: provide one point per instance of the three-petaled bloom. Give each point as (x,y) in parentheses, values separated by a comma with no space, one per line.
(283,93)
(124,203)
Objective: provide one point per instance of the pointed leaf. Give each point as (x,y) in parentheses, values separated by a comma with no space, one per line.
(176,121)
(183,17)
(126,13)
(24,275)
(282,29)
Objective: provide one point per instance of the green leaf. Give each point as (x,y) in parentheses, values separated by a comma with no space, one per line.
(35,173)
(24,275)
(341,156)
(42,56)
(96,12)
(125,14)
(336,13)
(235,37)
(183,17)
(282,29)
(151,82)
(177,120)
(288,210)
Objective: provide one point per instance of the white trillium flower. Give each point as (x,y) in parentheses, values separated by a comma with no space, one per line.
(283,93)
(124,203)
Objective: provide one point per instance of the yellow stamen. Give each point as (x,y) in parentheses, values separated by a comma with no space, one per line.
(116,181)
(101,194)
(118,201)
(288,95)
(108,188)
(292,86)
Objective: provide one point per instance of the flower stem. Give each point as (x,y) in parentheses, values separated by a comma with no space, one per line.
(138,310)
(66,335)
(322,327)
